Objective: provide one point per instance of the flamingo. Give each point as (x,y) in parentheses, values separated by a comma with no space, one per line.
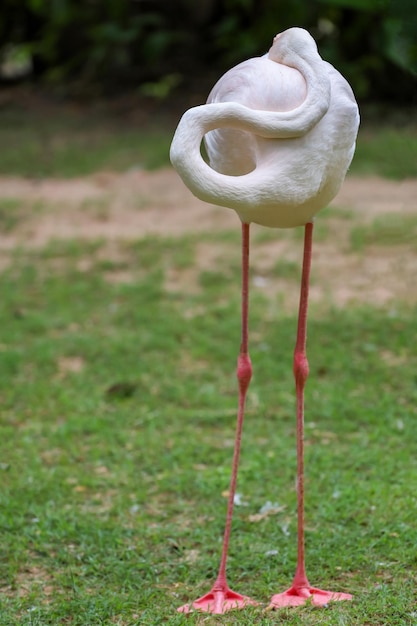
(280,133)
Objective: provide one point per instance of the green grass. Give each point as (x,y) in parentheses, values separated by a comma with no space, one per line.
(10,214)
(287,269)
(77,143)
(117,424)
(118,402)
(387,230)
(387,152)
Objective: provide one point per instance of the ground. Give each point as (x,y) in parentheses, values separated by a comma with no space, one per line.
(89,481)
(364,250)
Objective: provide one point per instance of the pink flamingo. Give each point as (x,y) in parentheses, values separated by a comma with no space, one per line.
(280,133)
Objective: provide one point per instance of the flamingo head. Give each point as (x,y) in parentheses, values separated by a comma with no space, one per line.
(293,41)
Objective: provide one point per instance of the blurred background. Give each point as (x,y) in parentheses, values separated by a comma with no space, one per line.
(173,51)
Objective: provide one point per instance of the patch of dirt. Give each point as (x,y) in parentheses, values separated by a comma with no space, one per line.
(32,577)
(70,365)
(136,204)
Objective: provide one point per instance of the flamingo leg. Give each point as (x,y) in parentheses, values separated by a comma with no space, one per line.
(301,590)
(221,598)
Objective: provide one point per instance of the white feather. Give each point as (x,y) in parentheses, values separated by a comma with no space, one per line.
(280,133)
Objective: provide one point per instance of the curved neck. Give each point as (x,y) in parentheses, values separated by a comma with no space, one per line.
(250,189)
(315,106)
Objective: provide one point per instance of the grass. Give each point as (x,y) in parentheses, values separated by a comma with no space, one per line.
(78,143)
(390,229)
(391,153)
(118,403)
(10,214)
(117,423)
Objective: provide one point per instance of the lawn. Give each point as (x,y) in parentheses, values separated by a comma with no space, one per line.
(117,416)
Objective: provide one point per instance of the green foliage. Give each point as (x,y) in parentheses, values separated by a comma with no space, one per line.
(119,44)
(397,23)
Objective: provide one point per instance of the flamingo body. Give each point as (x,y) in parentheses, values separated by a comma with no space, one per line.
(280,133)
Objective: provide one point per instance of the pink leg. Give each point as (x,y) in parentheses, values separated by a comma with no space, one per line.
(221,598)
(301,590)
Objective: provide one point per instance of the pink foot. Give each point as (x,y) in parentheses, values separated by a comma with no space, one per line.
(218,601)
(297,596)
